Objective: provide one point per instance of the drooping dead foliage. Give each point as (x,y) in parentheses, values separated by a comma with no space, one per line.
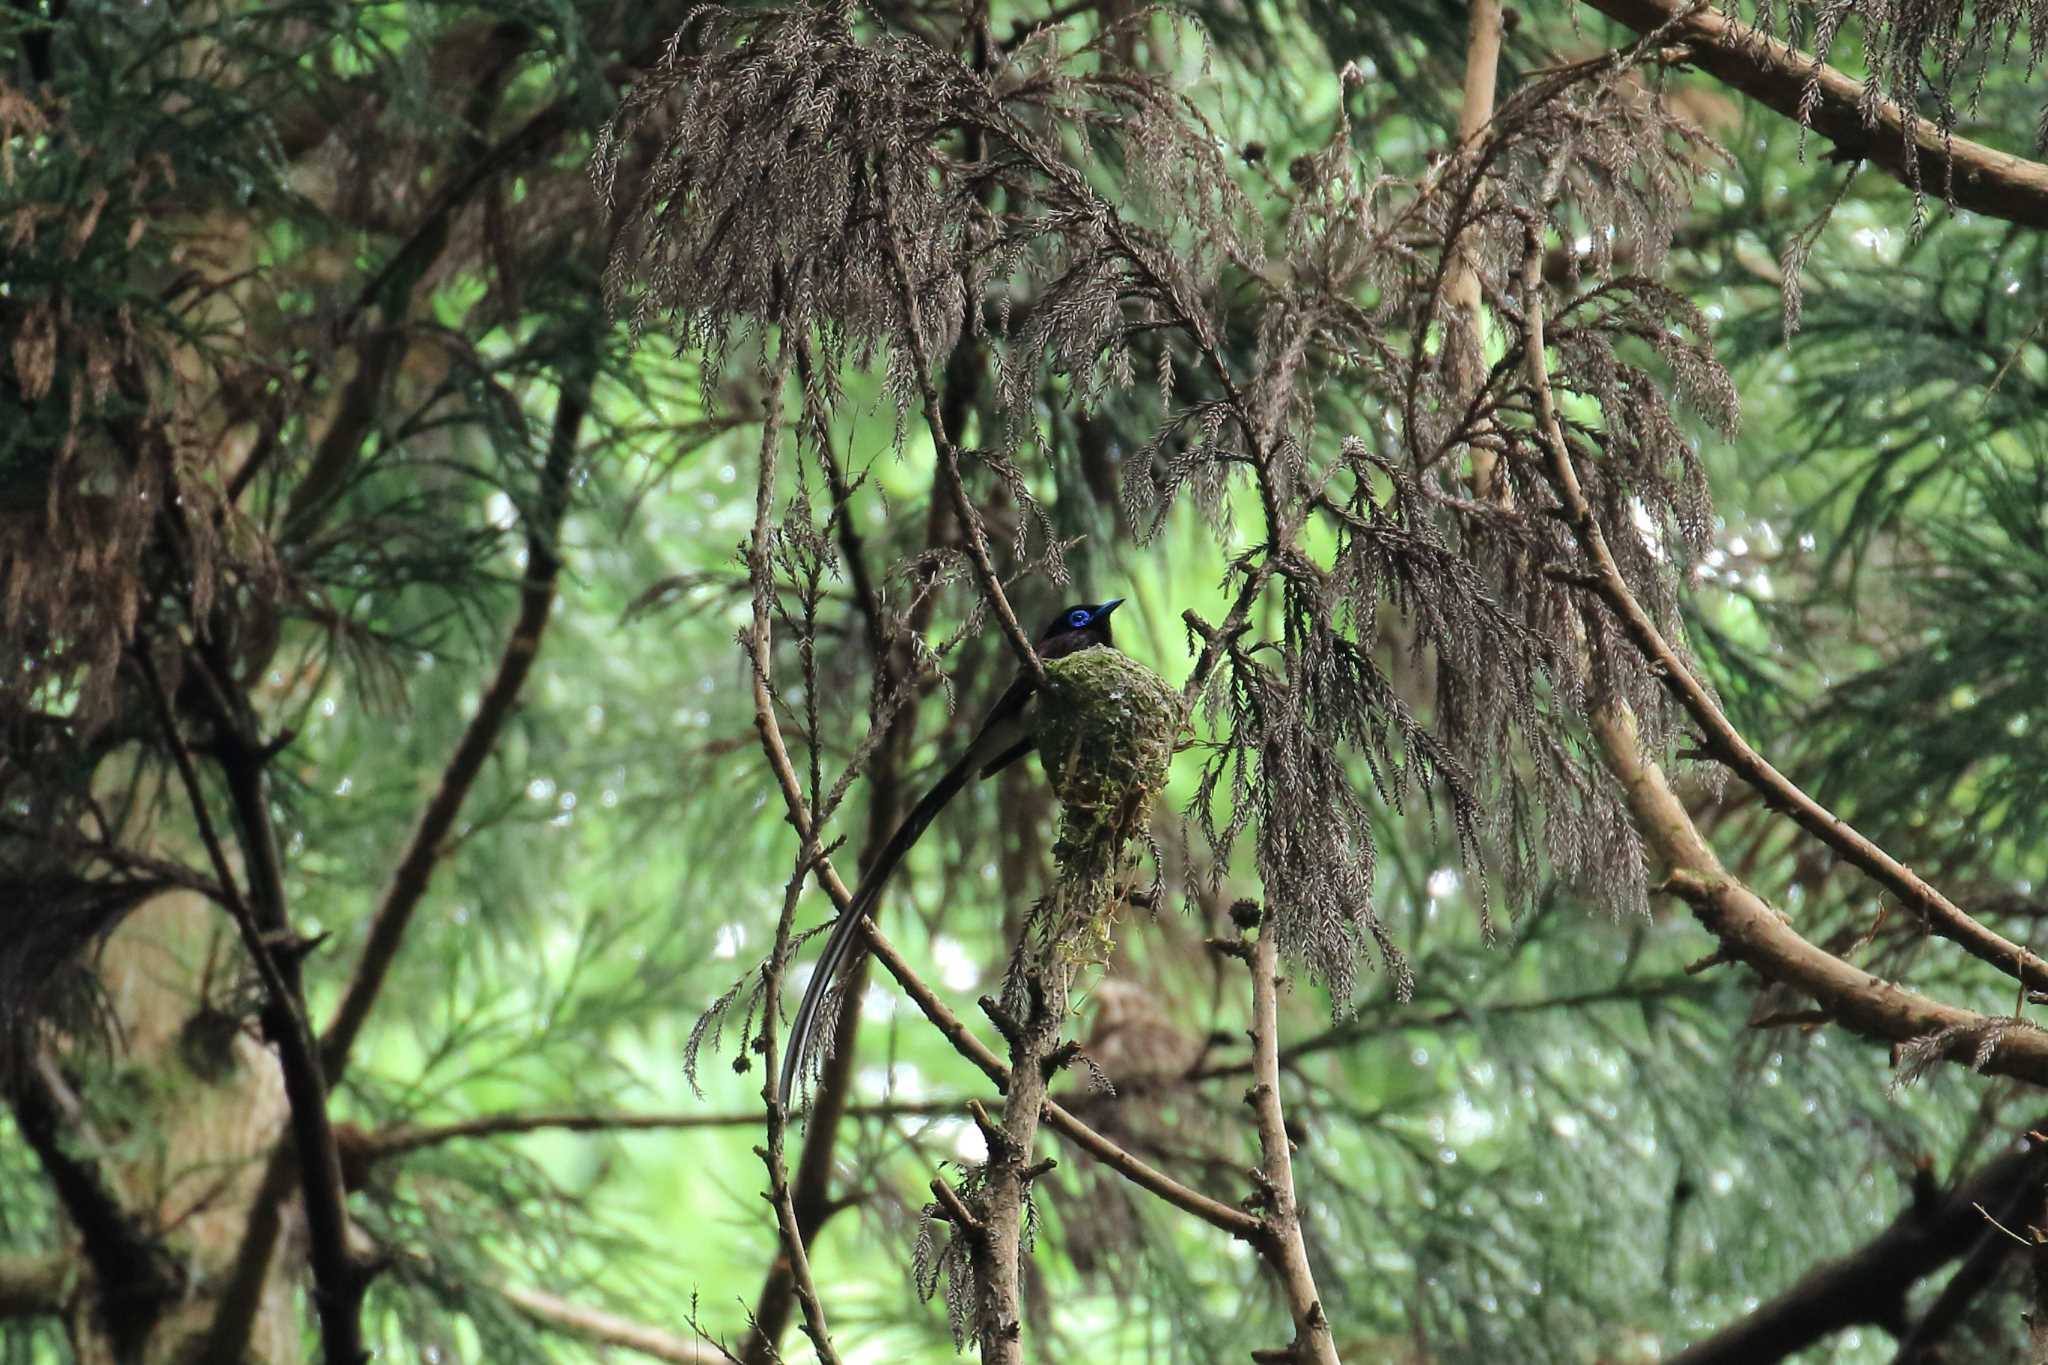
(1922,54)
(1403,634)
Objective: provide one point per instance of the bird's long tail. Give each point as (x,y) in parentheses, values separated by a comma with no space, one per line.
(846,935)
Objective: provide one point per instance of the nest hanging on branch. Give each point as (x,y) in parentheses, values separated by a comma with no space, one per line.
(1106,728)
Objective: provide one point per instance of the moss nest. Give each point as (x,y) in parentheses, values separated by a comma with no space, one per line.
(1106,727)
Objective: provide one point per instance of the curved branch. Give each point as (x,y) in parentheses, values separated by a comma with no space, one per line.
(1752,932)
(1721,739)
(1816,95)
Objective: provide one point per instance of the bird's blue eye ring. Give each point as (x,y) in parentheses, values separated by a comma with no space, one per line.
(1078,617)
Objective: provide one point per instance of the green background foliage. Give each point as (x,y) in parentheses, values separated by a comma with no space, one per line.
(1564,1147)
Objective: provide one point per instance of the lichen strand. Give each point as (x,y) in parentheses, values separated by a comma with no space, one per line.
(1106,726)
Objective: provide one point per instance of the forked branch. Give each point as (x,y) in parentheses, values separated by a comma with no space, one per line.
(340,1281)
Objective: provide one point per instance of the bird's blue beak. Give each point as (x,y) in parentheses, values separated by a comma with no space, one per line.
(1107,607)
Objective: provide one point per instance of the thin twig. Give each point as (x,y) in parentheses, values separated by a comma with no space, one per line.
(957,1212)
(793,1250)
(594,1324)
(761,570)
(405,1139)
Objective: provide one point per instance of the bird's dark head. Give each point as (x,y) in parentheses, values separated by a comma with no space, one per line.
(1082,619)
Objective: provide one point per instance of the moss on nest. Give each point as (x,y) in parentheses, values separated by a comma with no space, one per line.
(1106,727)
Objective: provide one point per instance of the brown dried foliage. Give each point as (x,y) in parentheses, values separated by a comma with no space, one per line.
(794,140)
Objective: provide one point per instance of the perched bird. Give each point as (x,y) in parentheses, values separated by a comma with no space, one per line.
(1005,736)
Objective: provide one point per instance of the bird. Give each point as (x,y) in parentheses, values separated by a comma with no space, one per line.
(1004,737)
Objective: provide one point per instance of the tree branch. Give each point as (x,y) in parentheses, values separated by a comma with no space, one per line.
(997,1248)
(1464,349)
(1234,1221)
(405,1139)
(415,868)
(815,1166)
(1282,1245)
(1751,931)
(1722,740)
(35,1285)
(1870,1284)
(761,653)
(794,1253)
(1379,1023)
(137,1280)
(1978,1272)
(339,1280)
(594,1324)
(973,532)
(1792,82)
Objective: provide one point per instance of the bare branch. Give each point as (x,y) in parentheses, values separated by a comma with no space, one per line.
(761,571)
(996,1247)
(138,1278)
(1751,931)
(1462,297)
(594,1324)
(1234,1221)
(1871,1284)
(793,1249)
(405,1139)
(1282,1245)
